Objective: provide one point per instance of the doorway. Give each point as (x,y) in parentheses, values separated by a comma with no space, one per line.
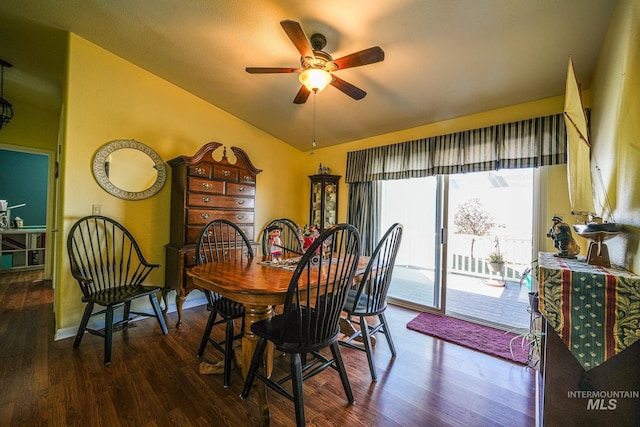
(27,179)
(452,224)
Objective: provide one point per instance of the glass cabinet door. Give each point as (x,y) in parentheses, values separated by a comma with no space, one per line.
(324,200)
(330,205)
(316,204)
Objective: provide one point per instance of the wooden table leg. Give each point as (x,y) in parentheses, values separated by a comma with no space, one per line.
(255,313)
(180,298)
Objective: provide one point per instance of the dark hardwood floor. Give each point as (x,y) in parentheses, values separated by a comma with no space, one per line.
(153,380)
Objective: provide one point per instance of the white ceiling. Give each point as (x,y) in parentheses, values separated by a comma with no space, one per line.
(443,58)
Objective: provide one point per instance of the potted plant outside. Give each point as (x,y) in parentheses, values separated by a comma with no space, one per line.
(496,260)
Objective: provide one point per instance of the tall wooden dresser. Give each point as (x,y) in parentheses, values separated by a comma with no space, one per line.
(203,189)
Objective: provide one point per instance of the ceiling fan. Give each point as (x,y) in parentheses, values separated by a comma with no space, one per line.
(317,66)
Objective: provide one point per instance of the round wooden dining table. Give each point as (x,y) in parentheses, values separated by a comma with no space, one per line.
(259,286)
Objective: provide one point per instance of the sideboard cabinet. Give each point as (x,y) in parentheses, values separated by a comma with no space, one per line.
(203,189)
(589,373)
(22,248)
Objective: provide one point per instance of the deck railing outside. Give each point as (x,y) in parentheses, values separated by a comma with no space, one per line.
(516,252)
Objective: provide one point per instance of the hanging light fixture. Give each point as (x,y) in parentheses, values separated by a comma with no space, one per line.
(315,79)
(6,109)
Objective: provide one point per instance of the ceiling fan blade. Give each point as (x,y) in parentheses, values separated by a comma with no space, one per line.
(349,89)
(298,37)
(302,95)
(364,57)
(266,70)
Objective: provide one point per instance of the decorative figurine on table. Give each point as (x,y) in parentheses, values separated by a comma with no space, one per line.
(563,239)
(275,244)
(309,234)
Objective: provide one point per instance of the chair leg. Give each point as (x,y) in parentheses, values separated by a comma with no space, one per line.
(159,314)
(126,314)
(387,333)
(337,357)
(258,356)
(228,353)
(108,334)
(366,339)
(83,324)
(207,332)
(296,386)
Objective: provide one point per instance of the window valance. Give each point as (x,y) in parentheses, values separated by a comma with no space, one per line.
(535,142)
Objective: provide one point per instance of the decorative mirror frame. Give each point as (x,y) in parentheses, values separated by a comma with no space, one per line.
(100,173)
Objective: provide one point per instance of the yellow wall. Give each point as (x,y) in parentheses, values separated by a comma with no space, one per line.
(556,203)
(109,98)
(615,130)
(31,127)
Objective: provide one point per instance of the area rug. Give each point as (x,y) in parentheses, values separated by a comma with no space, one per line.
(477,337)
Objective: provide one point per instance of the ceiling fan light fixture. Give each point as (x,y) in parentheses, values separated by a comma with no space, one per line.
(315,79)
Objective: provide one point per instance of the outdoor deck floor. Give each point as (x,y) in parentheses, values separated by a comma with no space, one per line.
(466,295)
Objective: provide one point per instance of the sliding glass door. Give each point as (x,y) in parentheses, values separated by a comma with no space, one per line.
(417,279)
(490,217)
(451,225)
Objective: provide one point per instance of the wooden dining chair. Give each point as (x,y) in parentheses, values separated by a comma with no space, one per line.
(222,241)
(289,235)
(309,319)
(369,298)
(109,266)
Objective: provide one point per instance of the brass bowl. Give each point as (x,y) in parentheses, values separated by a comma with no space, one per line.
(598,232)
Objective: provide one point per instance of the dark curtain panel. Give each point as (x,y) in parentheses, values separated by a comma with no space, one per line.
(363,212)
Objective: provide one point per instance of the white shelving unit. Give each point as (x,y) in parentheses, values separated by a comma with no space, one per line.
(22,248)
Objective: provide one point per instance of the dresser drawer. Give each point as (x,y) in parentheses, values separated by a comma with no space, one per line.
(205,186)
(225,172)
(237,202)
(201,200)
(203,216)
(230,202)
(203,170)
(234,189)
(193,232)
(246,176)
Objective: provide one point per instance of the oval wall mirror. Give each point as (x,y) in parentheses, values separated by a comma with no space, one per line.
(129,169)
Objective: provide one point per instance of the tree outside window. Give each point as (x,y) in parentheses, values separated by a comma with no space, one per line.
(472,219)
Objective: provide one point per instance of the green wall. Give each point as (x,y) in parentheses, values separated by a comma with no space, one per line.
(23,179)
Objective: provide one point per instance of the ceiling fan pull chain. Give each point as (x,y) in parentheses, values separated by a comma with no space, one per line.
(313,128)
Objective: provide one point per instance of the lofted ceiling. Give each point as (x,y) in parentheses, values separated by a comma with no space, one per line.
(443,58)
